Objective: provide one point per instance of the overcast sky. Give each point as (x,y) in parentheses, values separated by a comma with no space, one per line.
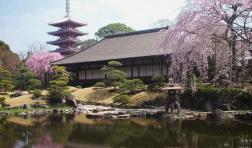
(24,22)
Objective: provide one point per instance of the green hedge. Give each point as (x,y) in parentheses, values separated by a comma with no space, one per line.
(208,99)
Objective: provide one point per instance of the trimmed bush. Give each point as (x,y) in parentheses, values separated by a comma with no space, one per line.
(37,93)
(132,86)
(158,81)
(2,99)
(208,99)
(100,85)
(123,99)
(58,85)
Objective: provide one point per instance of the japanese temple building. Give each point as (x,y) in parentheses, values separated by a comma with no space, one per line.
(139,52)
(68,34)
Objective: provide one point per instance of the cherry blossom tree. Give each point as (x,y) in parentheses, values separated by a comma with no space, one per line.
(40,62)
(210,28)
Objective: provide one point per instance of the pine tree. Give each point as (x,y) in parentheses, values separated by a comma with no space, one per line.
(114,76)
(58,85)
(6,83)
(26,80)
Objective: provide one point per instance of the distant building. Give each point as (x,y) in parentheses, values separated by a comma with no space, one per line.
(68,34)
(139,52)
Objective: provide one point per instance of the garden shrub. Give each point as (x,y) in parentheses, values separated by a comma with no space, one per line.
(114,76)
(100,85)
(123,99)
(210,98)
(158,81)
(132,86)
(37,93)
(2,99)
(58,85)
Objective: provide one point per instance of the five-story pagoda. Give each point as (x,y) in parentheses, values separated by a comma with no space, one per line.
(68,34)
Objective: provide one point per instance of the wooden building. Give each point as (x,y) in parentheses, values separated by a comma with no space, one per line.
(139,52)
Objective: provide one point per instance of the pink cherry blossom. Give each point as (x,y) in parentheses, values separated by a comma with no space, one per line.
(40,62)
(206,28)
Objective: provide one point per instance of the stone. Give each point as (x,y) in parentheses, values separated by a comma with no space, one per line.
(159,114)
(16,94)
(27,106)
(95,115)
(126,116)
(39,113)
(220,115)
(97,110)
(56,110)
(23,114)
(244,117)
(19,93)
(4,113)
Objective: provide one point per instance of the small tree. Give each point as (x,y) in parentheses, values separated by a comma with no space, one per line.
(100,85)
(37,93)
(40,63)
(111,29)
(114,76)
(88,43)
(58,85)
(26,79)
(132,86)
(2,101)
(6,83)
(158,81)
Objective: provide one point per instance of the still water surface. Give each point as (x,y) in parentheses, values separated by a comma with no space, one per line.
(57,131)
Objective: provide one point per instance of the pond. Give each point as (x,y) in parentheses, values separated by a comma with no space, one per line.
(57,131)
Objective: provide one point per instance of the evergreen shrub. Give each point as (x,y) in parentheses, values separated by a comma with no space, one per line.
(123,99)
(37,93)
(100,85)
(210,98)
(2,99)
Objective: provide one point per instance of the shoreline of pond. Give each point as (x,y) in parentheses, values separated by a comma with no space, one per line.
(108,112)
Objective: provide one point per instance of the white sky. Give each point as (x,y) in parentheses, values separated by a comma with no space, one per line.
(24,25)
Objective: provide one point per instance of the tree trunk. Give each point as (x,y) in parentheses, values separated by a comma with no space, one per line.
(233,69)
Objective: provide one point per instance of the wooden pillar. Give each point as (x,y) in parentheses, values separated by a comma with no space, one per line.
(138,68)
(131,68)
(77,73)
(161,65)
(85,74)
(77,79)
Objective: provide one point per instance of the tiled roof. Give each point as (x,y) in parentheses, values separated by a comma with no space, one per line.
(68,30)
(120,46)
(66,40)
(68,20)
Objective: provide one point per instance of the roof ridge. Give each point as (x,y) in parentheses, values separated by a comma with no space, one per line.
(136,32)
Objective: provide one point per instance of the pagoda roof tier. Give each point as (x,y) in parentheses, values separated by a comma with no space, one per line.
(67,21)
(62,41)
(66,49)
(66,31)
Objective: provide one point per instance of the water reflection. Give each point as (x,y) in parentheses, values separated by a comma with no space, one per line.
(56,131)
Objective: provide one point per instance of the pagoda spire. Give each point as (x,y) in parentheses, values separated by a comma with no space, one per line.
(67,7)
(67,34)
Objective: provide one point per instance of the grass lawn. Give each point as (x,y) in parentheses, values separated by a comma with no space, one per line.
(89,94)
(139,98)
(92,94)
(26,99)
